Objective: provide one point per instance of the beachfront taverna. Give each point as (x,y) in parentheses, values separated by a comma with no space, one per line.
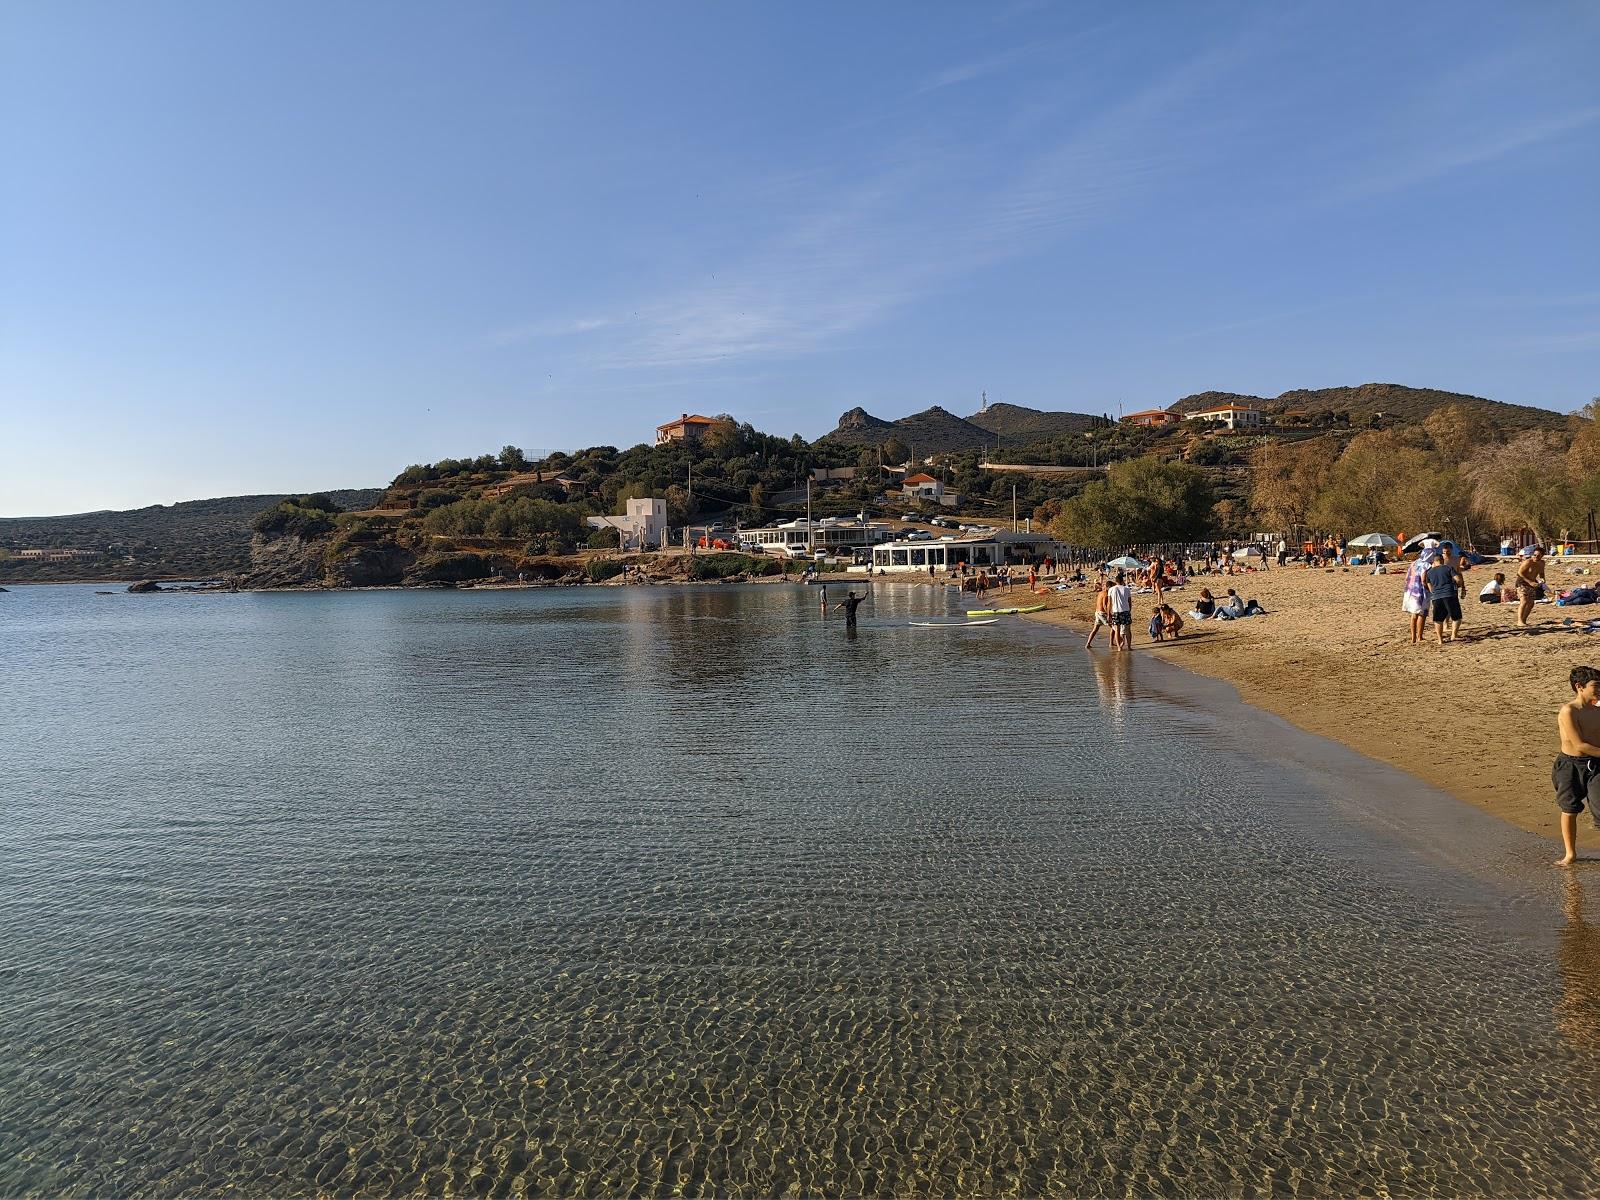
(980,548)
(825,533)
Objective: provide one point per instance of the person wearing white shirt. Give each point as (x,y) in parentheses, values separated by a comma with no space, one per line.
(1119,600)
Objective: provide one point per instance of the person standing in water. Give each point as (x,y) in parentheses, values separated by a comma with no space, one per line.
(850,603)
(1119,603)
(1576,773)
(1102,612)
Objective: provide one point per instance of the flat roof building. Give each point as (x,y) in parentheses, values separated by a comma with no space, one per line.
(823,533)
(1234,416)
(979,548)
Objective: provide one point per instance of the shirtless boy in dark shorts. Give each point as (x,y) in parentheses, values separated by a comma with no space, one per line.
(1576,773)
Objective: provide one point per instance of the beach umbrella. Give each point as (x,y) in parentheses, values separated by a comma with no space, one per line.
(1414,544)
(1373,541)
(1127,563)
(1248,551)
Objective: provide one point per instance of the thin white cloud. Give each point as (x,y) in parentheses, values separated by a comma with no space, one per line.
(538,330)
(1442,159)
(1557,343)
(975,69)
(856,253)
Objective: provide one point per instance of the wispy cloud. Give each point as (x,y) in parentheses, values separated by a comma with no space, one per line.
(977,68)
(1558,343)
(849,254)
(1476,150)
(537,330)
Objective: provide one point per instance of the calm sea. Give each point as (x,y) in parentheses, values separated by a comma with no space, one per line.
(683,891)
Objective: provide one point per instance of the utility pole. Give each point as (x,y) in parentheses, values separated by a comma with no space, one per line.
(1013,508)
(691,483)
(809,547)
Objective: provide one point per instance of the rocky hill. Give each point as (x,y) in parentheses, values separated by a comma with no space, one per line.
(195,538)
(933,431)
(858,427)
(1015,425)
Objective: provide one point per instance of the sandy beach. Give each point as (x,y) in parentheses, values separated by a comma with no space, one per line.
(1476,719)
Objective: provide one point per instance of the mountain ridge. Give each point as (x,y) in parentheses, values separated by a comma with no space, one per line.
(935,430)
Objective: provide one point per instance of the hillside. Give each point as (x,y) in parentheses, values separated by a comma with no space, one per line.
(1396,401)
(933,431)
(1015,425)
(192,538)
(1415,404)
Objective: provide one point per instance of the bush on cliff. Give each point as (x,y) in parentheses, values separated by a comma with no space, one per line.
(600,569)
(516,517)
(299,516)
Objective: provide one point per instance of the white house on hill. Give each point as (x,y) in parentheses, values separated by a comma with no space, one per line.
(923,486)
(642,525)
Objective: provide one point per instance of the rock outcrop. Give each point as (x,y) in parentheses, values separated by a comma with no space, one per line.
(286,562)
(146,585)
(374,565)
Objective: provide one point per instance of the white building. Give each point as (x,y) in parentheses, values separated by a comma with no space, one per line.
(832,534)
(923,486)
(990,548)
(1234,416)
(642,525)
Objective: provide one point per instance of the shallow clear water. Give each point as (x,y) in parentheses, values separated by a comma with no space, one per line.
(683,891)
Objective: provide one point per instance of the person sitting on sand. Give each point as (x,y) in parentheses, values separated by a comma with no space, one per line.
(1576,773)
(1530,580)
(1171,623)
(1233,606)
(1206,605)
(1494,591)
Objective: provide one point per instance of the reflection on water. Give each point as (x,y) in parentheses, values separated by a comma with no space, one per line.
(683,890)
(1113,678)
(1578,1010)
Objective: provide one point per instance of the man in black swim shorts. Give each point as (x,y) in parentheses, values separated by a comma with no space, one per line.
(1576,773)
(1444,584)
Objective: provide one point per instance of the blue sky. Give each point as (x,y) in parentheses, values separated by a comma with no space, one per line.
(260,247)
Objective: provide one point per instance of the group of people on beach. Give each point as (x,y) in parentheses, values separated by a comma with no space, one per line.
(1435,584)
(1113,605)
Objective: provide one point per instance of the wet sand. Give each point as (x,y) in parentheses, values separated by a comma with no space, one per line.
(1475,719)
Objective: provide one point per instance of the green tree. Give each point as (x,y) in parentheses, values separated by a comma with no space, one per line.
(1139,500)
(513,459)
